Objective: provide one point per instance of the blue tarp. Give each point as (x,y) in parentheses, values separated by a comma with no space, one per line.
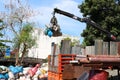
(4,76)
(16,69)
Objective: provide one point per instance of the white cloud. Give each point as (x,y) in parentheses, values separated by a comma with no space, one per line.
(68,5)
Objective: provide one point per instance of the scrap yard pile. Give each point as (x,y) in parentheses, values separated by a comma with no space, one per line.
(23,73)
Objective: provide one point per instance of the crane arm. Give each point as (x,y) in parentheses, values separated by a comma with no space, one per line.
(86,20)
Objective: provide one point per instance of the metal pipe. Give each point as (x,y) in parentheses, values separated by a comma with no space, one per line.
(96,59)
(81,56)
(93,65)
(84,60)
(104,56)
(74,61)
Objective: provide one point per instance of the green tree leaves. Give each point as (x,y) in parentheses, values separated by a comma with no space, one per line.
(25,39)
(2,41)
(104,12)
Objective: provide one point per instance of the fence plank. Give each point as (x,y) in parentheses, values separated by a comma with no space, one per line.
(54,54)
(113,48)
(98,47)
(83,51)
(118,48)
(57,51)
(56,60)
(65,47)
(90,50)
(105,48)
(76,50)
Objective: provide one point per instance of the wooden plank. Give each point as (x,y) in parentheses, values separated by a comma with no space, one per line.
(54,54)
(56,60)
(72,72)
(68,72)
(90,50)
(118,48)
(57,51)
(52,48)
(105,48)
(76,50)
(83,51)
(113,48)
(79,70)
(65,46)
(98,47)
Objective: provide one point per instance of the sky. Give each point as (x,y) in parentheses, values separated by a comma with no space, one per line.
(68,25)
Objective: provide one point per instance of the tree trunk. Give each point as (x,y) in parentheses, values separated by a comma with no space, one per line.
(23,53)
(17,57)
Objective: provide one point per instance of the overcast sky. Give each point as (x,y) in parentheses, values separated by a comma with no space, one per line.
(68,25)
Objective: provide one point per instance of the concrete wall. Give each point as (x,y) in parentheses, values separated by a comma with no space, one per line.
(43,47)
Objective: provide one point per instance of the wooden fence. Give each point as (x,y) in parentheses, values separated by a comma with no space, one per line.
(99,48)
(103,48)
(65,48)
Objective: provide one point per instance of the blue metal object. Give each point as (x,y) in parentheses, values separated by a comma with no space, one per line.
(50,33)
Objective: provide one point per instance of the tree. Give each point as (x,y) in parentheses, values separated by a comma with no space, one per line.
(104,12)
(17,14)
(1,34)
(74,42)
(25,40)
(2,40)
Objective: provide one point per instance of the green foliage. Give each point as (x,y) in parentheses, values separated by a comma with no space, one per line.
(104,12)
(67,38)
(73,42)
(25,37)
(2,42)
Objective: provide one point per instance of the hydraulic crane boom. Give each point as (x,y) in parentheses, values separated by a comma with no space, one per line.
(86,20)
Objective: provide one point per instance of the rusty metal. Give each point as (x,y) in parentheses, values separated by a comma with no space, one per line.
(104,56)
(83,60)
(97,65)
(95,59)
(99,58)
(99,61)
